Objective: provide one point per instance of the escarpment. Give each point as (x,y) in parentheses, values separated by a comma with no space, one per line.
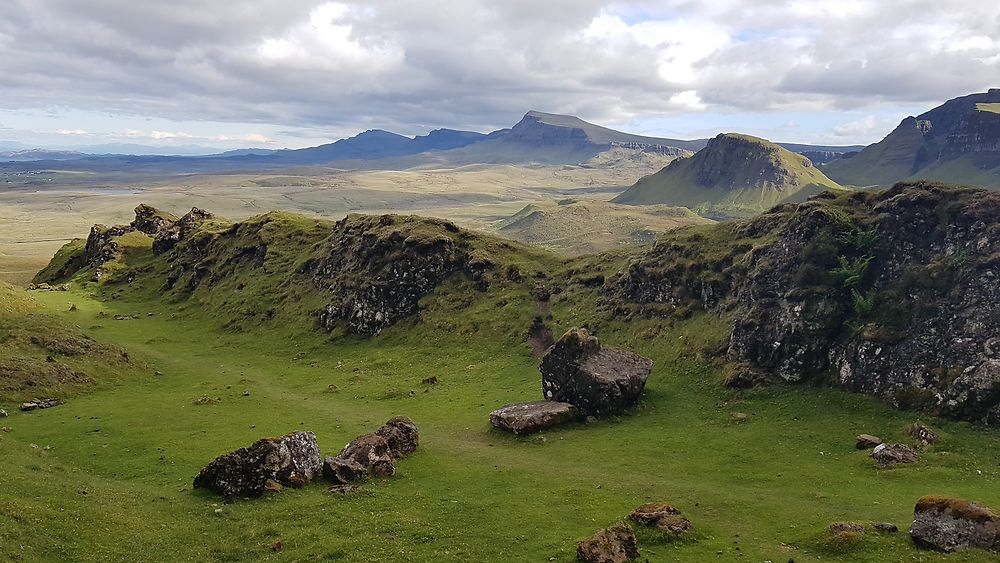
(893,294)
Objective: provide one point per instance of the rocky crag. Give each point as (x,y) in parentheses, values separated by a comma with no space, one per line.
(893,294)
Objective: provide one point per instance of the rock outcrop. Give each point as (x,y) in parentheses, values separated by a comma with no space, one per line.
(528,418)
(596,379)
(102,245)
(150,220)
(168,235)
(36,404)
(894,294)
(949,524)
(609,545)
(290,460)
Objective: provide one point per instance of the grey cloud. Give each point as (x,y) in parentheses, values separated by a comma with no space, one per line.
(476,64)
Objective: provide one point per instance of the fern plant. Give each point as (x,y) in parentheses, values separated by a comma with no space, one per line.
(851,271)
(864,305)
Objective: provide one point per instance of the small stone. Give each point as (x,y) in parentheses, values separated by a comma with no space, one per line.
(885,527)
(277,547)
(740,417)
(649,513)
(246,393)
(609,545)
(924,435)
(895,454)
(3,414)
(430,381)
(867,441)
(528,418)
(6,429)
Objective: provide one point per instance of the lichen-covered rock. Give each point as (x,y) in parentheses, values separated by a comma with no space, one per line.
(343,470)
(838,528)
(895,454)
(372,452)
(597,380)
(528,418)
(922,434)
(610,545)
(897,293)
(290,460)
(168,237)
(867,441)
(401,435)
(150,220)
(949,524)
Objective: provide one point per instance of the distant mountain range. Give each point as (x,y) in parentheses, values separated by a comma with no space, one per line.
(733,175)
(957,142)
(537,138)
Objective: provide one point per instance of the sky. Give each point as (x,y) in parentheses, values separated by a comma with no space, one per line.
(226,74)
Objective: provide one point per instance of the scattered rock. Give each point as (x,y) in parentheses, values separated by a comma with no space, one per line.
(291,460)
(3,414)
(526,418)
(610,545)
(40,404)
(343,471)
(895,454)
(949,524)
(649,513)
(430,380)
(673,525)
(922,434)
(206,401)
(343,489)
(277,547)
(838,528)
(867,441)
(6,429)
(597,380)
(401,434)
(372,452)
(885,527)
(740,417)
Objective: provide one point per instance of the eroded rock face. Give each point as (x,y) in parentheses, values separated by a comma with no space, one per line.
(528,418)
(372,452)
(610,545)
(597,380)
(101,245)
(895,454)
(401,435)
(949,524)
(291,460)
(168,236)
(378,268)
(897,293)
(150,220)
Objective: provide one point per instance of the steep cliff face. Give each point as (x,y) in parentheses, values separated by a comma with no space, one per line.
(734,174)
(958,141)
(894,294)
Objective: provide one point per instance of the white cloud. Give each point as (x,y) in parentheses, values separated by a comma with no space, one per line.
(73,132)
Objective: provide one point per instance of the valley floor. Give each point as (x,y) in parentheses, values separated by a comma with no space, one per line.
(107,476)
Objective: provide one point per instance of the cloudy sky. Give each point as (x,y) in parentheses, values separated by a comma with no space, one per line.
(275,73)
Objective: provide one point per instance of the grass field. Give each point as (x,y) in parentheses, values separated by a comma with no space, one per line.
(107,476)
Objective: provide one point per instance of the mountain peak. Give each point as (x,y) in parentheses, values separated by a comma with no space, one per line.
(735,174)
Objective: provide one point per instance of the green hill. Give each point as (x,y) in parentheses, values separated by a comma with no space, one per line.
(734,175)
(957,142)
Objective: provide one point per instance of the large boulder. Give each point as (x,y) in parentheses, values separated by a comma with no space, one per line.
(401,434)
(343,471)
(527,418)
(949,524)
(372,452)
(598,380)
(290,460)
(610,545)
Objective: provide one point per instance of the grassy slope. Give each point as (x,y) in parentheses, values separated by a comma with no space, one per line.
(678,183)
(576,227)
(884,163)
(994,108)
(115,485)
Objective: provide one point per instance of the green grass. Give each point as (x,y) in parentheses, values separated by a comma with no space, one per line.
(115,483)
(992,108)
